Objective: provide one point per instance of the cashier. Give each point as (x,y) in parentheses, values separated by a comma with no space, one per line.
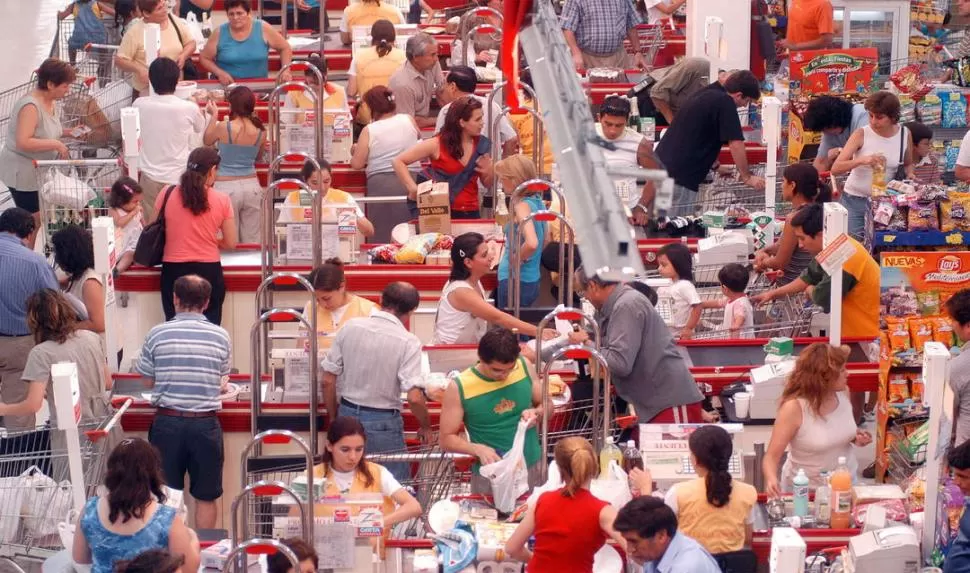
(814,422)
(335,306)
(346,471)
(715,509)
(958,557)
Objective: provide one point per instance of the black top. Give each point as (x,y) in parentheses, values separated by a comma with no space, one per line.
(691,145)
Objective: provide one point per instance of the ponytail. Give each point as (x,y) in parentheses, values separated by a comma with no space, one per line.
(195,197)
(711,447)
(808,183)
(577,464)
(383,48)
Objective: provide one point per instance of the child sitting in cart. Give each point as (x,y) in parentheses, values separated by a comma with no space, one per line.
(675,262)
(124,202)
(738,321)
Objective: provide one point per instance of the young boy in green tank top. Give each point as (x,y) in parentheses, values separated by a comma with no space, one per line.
(488,400)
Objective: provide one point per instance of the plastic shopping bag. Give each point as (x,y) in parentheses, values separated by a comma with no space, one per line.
(11,501)
(44,492)
(615,488)
(509,476)
(69,191)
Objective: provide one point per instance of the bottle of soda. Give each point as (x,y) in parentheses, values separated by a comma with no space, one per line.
(631,457)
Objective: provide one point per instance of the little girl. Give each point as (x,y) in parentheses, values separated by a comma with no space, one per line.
(124,202)
(88,25)
(675,263)
(738,321)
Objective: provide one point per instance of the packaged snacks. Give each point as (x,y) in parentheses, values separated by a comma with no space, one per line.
(920,332)
(416,249)
(898,334)
(914,446)
(928,303)
(923,217)
(909,82)
(895,511)
(931,192)
(955,213)
(951,155)
(942,330)
(903,305)
(886,216)
(907,109)
(931,110)
(916,389)
(954,110)
(384,254)
(898,388)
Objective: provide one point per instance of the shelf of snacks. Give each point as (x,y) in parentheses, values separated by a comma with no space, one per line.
(920,238)
(909,214)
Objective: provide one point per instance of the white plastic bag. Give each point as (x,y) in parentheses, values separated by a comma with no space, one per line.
(11,501)
(615,488)
(509,476)
(195,29)
(55,498)
(68,191)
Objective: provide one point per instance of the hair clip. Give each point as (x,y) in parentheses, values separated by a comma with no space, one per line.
(193,166)
(127,188)
(461,253)
(127,442)
(390,97)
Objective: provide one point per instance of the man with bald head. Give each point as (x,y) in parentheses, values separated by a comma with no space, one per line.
(372,360)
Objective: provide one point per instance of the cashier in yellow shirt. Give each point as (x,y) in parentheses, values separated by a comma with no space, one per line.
(335,306)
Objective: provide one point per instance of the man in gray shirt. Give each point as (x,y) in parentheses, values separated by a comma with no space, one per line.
(646,367)
(371,362)
(958,309)
(418,79)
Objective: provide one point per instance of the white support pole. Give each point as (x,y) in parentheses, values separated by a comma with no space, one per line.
(714,44)
(131,139)
(67,402)
(938,395)
(836,223)
(771,133)
(153,42)
(103,233)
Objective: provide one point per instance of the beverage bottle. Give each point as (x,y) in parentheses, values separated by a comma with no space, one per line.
(631,457)
(841,504)
(823,507)
(800,490)
(879,178)
(610,453)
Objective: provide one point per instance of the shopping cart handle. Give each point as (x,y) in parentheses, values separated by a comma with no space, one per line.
(569,315)
(774,274)
(285,281)
(269,490)
(624,422)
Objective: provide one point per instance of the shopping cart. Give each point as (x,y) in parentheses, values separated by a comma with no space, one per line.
(9,98)
(99,61)
(73,191)
(727,192)
(93,109)
(36,493)
(651,41)
(65,29)
(904,462)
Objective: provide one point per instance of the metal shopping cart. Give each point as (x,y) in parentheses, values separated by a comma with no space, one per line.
(73,191)
(9,98)
(36,493)
(726,192)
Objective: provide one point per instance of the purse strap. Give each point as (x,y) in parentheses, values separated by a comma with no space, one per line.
(176,26)
(902,143)
(161,214)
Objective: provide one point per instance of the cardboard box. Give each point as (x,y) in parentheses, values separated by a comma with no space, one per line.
(214,557)
(434,208)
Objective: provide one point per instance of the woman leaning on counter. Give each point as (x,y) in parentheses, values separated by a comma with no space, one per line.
(814,421)
(335,306)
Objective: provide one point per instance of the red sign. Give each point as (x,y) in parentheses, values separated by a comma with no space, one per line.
(832,71)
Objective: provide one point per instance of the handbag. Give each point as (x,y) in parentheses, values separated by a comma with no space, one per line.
(189,71)
(151,244)
(900,173)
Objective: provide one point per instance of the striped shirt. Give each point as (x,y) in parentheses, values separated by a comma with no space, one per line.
(187,357)
(600,26)
(24,272)
(361,379)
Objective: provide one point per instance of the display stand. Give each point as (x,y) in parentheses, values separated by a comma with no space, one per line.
(939,397)
(836,251)
(153,43)
(105,258)
(131,139)
(771,135)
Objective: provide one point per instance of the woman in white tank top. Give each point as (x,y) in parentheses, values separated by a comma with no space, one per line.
(884,142)
(463,313)
(380,142)
(814,422)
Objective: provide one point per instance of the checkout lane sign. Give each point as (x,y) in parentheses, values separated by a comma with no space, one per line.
(832,257)
(67,394)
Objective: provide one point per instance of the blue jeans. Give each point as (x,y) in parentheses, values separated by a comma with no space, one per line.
(858,208)
(385,434)
(684,202)
(528,293)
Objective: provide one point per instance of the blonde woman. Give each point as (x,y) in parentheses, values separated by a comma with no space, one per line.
(512,172)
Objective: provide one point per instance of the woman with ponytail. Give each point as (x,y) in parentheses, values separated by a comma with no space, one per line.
(566,543)
(374,66)
(715,509)
(241,138)
(199,222)
(132,517)
(800,186)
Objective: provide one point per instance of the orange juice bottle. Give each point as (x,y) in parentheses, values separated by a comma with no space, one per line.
(841,506)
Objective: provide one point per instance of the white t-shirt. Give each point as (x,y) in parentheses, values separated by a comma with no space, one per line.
(389,485)
(739,307)
(683,296)
(505,130)
(671,500)
(167,126)
(654,15)
(963,159)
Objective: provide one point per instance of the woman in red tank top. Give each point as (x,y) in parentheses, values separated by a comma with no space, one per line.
(451,153)
(566,545)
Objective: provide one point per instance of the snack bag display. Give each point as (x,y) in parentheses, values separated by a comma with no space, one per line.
(931,110)
(954,110)
(907,109)
(920,332)
(955,213)
(923,217)
(898,389)
(916,389)
(898,334)
(942,330)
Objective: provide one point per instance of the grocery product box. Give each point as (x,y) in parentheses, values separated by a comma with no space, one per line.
(214,556)
(434,208)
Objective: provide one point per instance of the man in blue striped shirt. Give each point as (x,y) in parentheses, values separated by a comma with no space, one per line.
(24,272)
(186,360)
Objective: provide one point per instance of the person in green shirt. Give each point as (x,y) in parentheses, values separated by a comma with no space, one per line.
(488,400)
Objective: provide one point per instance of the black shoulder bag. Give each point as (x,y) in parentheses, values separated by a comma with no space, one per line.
(151,244)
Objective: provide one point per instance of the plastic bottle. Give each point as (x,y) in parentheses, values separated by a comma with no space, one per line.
(800,490)
(823,501)
(631,457)
(841,484)
(610,453)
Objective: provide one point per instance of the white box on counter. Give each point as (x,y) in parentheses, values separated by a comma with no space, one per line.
(214,556)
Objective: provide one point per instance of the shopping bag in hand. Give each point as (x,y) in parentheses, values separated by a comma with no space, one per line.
(509,476)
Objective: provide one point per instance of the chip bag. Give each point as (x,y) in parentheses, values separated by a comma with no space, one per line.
(920,332)
(923,217)
(954,110)
(955,213)
(909,81)
(898,388)
(928,303)
(416,249)
(898,334)
(916,389)
(942,330)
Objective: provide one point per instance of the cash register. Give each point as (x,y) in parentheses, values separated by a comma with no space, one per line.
(728,247)
(666,452)
(890,550)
